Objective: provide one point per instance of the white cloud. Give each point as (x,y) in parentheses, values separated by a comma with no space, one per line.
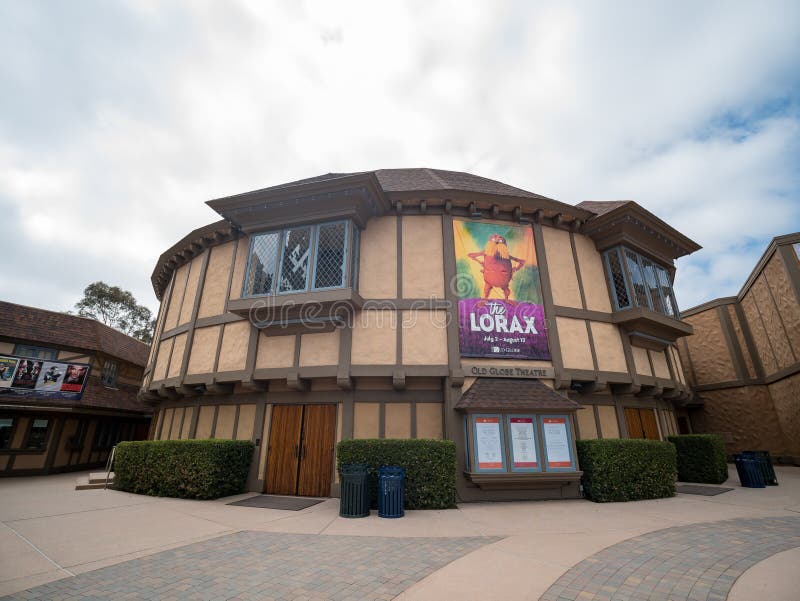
(125,117)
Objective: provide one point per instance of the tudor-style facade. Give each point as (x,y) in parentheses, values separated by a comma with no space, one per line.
(336,307)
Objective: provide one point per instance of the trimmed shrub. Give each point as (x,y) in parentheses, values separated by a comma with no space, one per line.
(430,467)
(627,469)
(188,469)
(701,458)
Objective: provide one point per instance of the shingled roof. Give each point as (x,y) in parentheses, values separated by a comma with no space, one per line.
(601,207)
(43,327)
(510,394)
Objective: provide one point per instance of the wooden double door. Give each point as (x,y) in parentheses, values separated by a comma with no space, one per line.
(300,451)
(641,423)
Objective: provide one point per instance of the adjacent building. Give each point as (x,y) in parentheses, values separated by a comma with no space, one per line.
(744,360)
(419,303)
(68,391)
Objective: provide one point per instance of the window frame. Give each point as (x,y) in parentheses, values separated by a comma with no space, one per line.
(26,445)
(53,352)
(349,269)
(666,298)
(115,372)
(610,279)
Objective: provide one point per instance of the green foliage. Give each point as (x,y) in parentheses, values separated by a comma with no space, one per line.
(627,469)
(430,467)
(118,309)
(188,469)
(701,458)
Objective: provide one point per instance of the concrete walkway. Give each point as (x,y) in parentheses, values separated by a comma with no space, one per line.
(50,531)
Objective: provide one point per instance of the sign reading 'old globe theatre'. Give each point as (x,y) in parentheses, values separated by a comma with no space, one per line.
(500,310)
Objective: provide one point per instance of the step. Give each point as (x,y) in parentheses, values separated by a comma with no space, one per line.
(100,477)
(84,484)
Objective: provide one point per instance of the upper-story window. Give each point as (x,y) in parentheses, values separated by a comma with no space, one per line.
(637,281)
(109,377)
(35,352)
(301,258)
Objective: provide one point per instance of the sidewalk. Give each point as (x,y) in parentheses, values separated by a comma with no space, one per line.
(50,531)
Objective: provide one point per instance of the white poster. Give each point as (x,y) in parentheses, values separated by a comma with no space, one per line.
(523,443)
(556,441)
(489,443)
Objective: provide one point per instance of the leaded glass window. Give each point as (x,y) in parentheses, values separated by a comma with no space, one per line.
(37,435)
(294,262)
(638,281)
(619,287)
(652,285)
(330,261)
(263,264)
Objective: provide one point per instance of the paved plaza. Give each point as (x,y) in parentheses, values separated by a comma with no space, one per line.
(58,543)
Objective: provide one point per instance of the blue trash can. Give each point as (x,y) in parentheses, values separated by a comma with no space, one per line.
(749,470)
(765,461)
(391,491)
(354,502)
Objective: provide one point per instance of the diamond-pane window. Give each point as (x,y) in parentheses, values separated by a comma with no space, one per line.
(331,253)
(263,264)
(618,279)
(652,285)
(295,260)
(637,279)
(670,306)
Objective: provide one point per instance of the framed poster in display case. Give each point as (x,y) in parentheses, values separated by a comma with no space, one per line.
(558,443)
(489,448)
(524,443)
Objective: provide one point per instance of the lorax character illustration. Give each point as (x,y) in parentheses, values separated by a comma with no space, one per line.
(496,266)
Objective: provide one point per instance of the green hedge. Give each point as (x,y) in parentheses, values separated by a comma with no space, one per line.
(188,469)
(430,467)
(627,469)
(701,458)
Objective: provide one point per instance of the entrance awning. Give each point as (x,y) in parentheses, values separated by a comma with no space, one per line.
(508,394)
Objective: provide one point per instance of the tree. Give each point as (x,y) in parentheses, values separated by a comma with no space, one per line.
(117,308)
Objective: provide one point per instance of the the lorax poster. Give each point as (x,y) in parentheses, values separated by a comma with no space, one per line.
(500,312)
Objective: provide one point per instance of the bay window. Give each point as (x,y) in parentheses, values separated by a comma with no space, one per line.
(637,281)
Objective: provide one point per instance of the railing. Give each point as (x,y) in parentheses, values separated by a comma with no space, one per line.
(109,465)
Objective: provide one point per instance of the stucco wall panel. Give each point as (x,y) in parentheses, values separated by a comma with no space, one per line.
(233,352)
(8,348)
(320,349)
(660,367)
(62,452)
(424,338)
(177,422)
(429,420)
(191,289)
(215,286)
(595,287)
(641,362)
(772,323)
(786,400)
(608,421)
(377,276)
(204,349)
(247,422)
(737,329)
(187,422)
(574,338)
(240,266)
(162,361)
(398,420)
(608,347)
(561,268)
(178,349)
(225,420)
(786,300)
(366,418)
(167,425)
(586,422)
(30,462)
(275,351)
(760,337)
(178,288)
(374,338)
(423,257)
(677,364)
(746,419)
(709,350)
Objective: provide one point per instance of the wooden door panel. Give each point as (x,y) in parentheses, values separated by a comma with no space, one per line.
(316,464)
(283,450)
(649,425)
(634,423)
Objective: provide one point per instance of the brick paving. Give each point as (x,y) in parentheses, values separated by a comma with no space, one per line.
(699,562)
(264,566)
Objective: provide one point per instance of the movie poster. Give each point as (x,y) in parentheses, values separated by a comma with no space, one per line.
(500,312)
(8,365)
(51,376)
(27,373)
(74,378)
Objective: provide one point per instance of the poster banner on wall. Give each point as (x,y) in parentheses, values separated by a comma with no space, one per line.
(556,442)
(489,443)
(24,377)
(523,442)
(500,310)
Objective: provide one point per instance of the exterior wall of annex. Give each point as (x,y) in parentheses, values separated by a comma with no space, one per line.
(744,359)
(381,351)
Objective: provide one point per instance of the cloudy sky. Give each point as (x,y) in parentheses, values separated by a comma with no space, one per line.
(119,119)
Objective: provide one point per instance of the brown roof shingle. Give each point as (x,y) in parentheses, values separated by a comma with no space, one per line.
(45,327)
(509,394)
(601,207)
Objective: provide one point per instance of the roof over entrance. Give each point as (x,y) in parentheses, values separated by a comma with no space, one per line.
(509,394)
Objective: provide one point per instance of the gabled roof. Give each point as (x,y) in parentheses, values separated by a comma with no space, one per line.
(509,394)
(44,328)
(601,207)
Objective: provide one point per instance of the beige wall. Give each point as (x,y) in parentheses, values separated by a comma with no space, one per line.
(374,338)
(423,257)
(709,350)
(7,348)
(162,361)
(320,349)
(608,421)
(640,361)
(429,420)
(586,422)
(191,289)
(398,420)
(178,348)
(235,340)
(608,347)
(204,349)
(167,425)
(247,421)
(30,462)
(377,276)
(275,351)
(561,268)
(215,286)
(595,286)
(205,420)
(240,266)
(366,418)
(574,339)
(424,337)
(187,422)
(176,298)
(226,417)
(660,367)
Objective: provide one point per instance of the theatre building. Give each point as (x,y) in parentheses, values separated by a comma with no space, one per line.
(744,360)
(68,391)
(419,303)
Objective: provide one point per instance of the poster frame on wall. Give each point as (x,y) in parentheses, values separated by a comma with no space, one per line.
(536,443)
(40,391)
(475,450)
(570,443)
